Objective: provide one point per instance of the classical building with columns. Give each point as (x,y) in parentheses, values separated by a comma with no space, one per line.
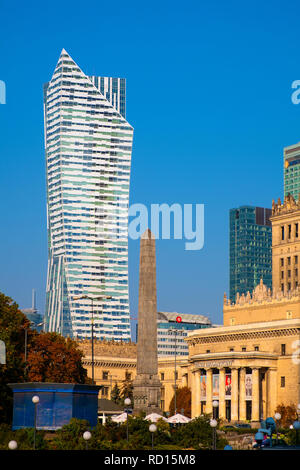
(251,364)
(115,363)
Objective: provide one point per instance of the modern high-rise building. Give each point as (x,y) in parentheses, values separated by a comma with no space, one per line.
(88,146)
(291,156)
(250,249)
(172,330)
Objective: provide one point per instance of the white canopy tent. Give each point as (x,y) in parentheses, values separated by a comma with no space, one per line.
(178,419)
(119,418)
(154,417)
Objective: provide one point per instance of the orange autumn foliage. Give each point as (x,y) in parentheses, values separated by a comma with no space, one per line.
(53,358)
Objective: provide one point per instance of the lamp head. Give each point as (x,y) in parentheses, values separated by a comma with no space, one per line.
(152,428)
(12,445)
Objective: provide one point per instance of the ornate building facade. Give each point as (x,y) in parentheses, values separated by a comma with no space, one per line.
(115,362)
(252,364)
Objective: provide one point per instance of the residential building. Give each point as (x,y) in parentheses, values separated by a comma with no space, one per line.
(88,145)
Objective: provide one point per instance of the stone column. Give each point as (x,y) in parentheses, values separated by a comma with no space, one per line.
(146,385)
(197,394)
(242,394)
(272,391)
(234,394)
(208,408)
(193,392)
(222,404)
(255,394)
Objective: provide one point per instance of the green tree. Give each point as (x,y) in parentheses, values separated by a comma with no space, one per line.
(116,394)
(127,390)
(197,434)
(12,331)
(24,438)
(183,401)
(70,436)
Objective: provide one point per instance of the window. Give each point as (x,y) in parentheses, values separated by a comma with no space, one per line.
(282,274)
(232,321)
(283,349)
(282,287)
(162,376)
(231,349)
(104,392)
(244,349)
(256,348)
(289,260)
(296,259)
(282,382)
(289,286)
(104,375)
(282,233)
(289,231)
(296,230)
(296,272)
(281,262)
(289,273)
(289,314)
(207,351)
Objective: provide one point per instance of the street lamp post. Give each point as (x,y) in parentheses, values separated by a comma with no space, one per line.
(127,402)
(35,401)
(86,436)
(152,429)
(175,332)
(213,424)
(277,417)
(103,297)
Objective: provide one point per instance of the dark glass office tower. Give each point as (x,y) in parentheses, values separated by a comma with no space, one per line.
(250,249)
(292,170)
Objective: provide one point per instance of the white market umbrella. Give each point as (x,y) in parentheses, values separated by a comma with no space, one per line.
(178,419)
(119,418)
(154,417)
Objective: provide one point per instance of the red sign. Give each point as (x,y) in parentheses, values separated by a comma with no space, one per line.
(178,319)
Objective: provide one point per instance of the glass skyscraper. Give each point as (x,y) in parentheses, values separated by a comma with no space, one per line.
(88,146)
(291,156)
(250,249)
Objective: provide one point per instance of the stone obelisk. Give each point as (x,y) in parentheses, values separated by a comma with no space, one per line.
(146,385)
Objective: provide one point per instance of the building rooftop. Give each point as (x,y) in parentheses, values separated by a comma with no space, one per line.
(186,317)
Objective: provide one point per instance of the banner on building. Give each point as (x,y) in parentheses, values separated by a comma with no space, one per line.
(203,386)
(228,386)
(248,386)
(215,393)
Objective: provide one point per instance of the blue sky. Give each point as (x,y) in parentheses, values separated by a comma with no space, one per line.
(209,96)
